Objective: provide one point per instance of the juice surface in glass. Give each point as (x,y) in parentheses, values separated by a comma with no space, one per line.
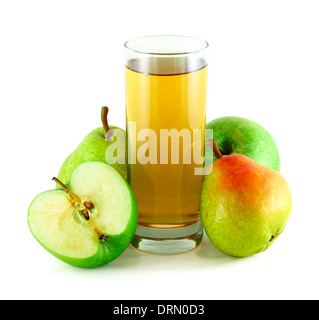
(157,98)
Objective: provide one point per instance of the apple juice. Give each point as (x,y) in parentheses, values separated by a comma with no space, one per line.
(160,96)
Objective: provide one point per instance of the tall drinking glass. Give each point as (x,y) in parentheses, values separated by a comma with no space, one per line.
(166,88)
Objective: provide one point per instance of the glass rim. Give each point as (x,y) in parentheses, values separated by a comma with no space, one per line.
(205,45)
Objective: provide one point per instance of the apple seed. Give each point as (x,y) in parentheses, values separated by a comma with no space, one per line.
(86,214)
(88,205)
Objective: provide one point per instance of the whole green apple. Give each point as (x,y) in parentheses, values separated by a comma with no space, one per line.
(90,222)
(240,135)
(245,206)
(93,148)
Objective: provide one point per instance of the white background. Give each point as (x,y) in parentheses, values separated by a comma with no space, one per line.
(60,61)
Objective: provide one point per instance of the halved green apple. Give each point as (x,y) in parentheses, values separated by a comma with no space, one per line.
(88,223)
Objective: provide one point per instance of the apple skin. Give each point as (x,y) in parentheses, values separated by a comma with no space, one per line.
(240,135)
(92,148)
(245,206)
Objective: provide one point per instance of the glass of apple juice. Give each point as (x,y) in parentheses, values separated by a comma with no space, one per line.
(166,89)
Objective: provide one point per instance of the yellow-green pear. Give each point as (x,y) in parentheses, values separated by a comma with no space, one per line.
(94,148)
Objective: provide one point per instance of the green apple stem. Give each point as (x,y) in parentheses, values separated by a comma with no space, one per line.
(108,131)
(61,184)
(213,145)
(75,198)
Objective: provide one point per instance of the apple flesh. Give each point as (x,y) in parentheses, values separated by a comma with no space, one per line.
(89,223)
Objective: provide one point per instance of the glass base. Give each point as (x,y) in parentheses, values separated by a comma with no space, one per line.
(168,241)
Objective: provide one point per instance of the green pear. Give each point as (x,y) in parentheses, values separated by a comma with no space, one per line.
(89,223)
(94,148)
(245,206)
(240,135)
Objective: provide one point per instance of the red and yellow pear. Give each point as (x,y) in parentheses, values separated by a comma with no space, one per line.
(245,206)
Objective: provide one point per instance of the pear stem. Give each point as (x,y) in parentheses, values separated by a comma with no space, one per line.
(213,145)
(104,113)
